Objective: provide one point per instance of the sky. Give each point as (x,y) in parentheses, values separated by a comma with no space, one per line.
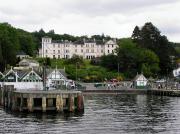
(116,18)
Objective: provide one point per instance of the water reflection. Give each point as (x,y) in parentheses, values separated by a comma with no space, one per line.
(108,114)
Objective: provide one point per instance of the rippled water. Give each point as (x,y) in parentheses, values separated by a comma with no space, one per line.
(104,114)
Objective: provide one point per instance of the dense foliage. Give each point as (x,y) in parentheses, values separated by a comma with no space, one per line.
(149,37)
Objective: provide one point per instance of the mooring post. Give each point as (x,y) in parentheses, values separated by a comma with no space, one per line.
(21,103)
(0,95)
(9,95)
(71,103)
(80,102)
(30,103)
(14,102)
(59,103)
(44,104)
(5,96)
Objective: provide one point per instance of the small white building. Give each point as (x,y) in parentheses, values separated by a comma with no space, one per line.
(55,78)
(86,48)
(140,81)
(22,55)
(176,72)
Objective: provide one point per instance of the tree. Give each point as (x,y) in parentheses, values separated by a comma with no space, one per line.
(109,61)
(151,38)
(9,44)
(133,59)
(136,34)
(27,43)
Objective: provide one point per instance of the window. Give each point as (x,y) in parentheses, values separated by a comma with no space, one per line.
(58,51)
(82,50)
(53,51)
(92,51)
(141,83)
(76,50)
(108,51)
(46,51)
(87,50)
(58,56)
(54,57)
(112,45)
(58,45)
(108,45)
(75,45)
(101,51)
(81,45)
(54,45)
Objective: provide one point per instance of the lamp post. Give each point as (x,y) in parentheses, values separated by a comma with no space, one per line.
(118,71)
(166,77)
(76,75)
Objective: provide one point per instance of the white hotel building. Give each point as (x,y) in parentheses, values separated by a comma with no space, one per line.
(88,49)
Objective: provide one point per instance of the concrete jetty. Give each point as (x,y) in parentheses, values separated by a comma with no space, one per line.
(37,100)
(152,91)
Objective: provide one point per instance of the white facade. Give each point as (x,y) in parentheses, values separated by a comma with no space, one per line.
(25,85)
(176,72)
(55,79)
(65,49)
(140,80)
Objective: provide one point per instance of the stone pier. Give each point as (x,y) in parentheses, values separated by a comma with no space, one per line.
(31,101)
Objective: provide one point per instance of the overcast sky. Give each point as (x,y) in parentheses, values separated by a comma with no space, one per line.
(116,18)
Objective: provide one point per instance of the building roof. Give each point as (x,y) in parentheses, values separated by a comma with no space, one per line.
(21,53)
(140,77)
(62,71)
(61,41)
(29,61)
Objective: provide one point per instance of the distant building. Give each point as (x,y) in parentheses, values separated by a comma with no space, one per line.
(28,63)
(140,81)
(22,55)
(86,48)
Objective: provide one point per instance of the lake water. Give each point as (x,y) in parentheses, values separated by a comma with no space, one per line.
(104,114)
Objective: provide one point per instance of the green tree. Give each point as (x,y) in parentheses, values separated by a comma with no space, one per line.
(27,43)
(133,59)
(109,61)
(136,34)
(9,44)
(151,38)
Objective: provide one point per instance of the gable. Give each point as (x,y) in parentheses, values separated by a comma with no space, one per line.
(141,78)
(55,74)
(110,42)
(1,76)
(11,76)
(32,76)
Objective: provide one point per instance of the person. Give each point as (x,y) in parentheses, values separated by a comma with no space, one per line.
(159,86)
